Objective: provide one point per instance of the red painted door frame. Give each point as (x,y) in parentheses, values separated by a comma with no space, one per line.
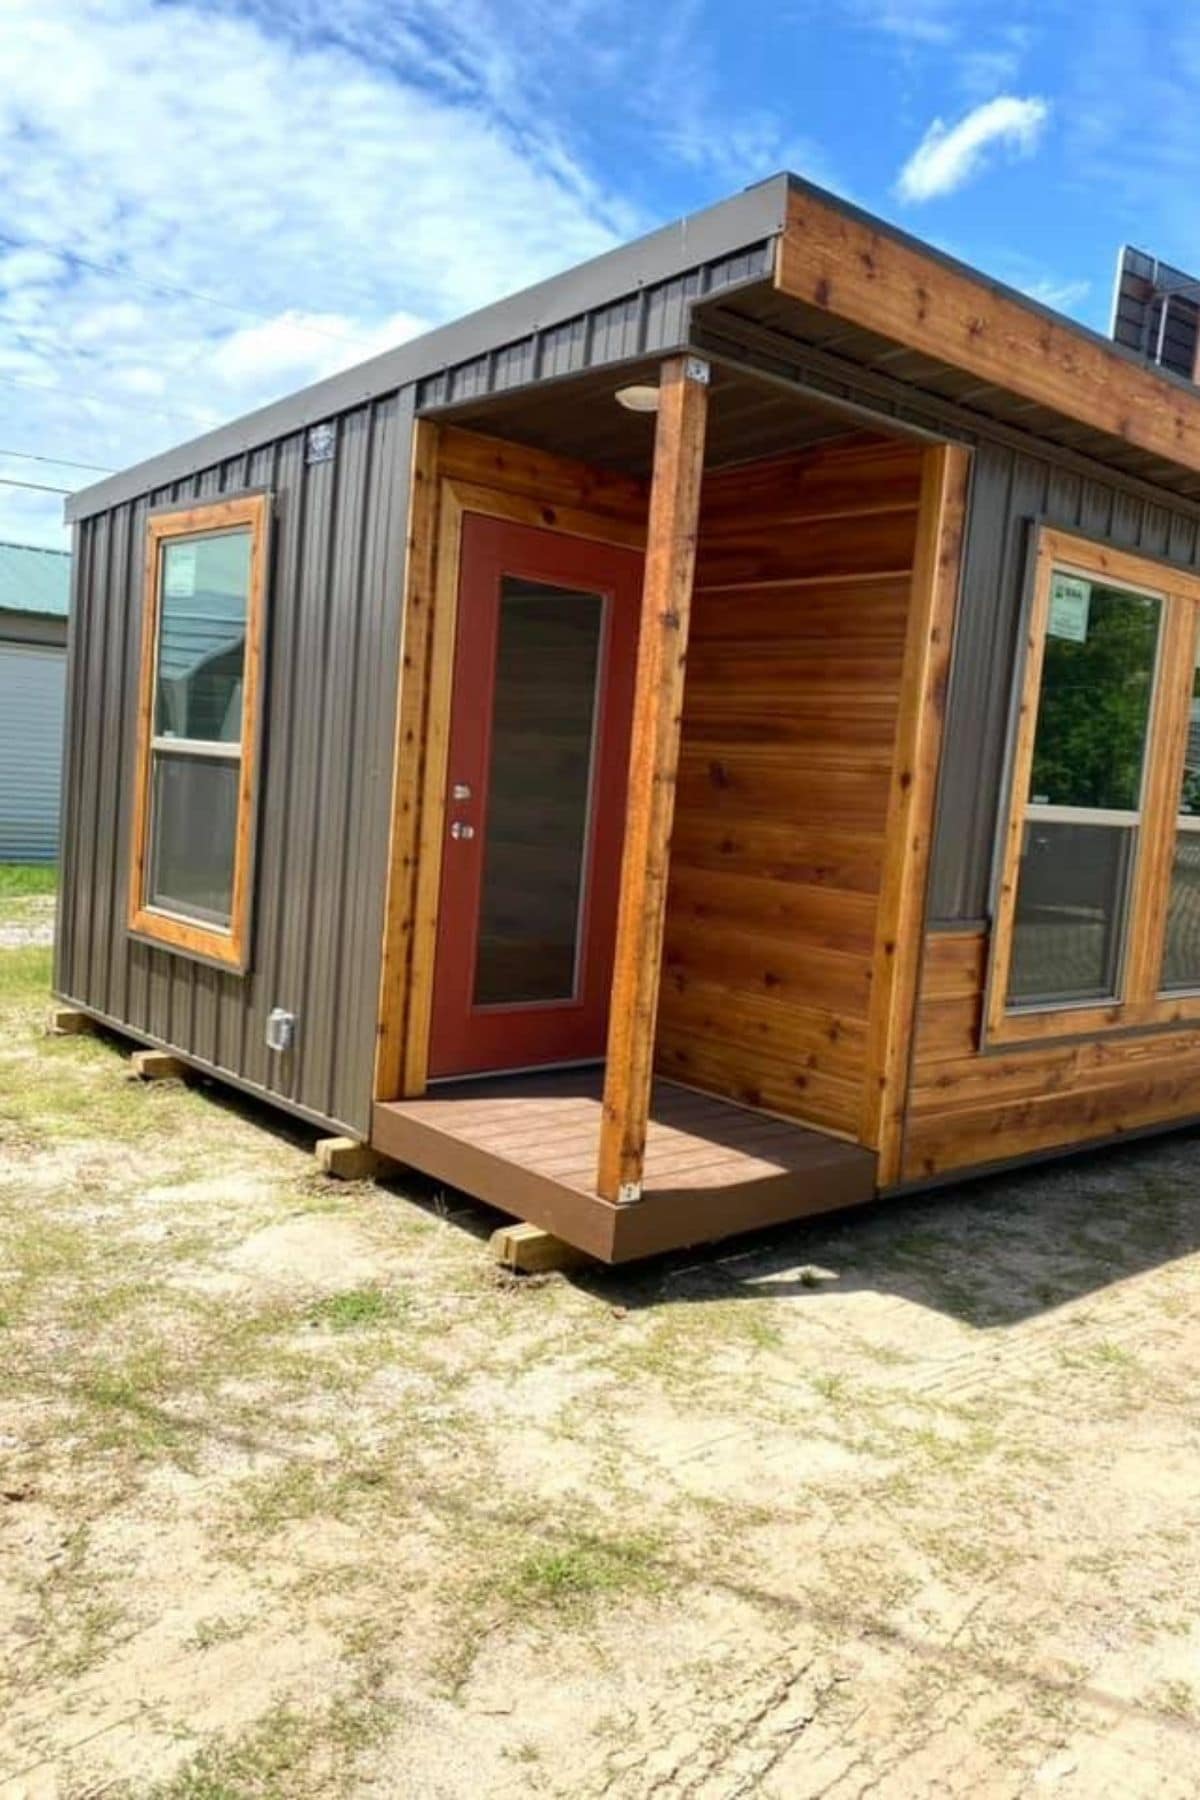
(470,1039)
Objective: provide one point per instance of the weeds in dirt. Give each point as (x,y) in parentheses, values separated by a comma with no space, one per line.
(359,1308)
(572,1573)
(290,1754)
(280,1494)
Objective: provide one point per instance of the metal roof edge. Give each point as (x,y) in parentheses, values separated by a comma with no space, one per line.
(747,218)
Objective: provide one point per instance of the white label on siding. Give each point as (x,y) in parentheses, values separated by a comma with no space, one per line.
(1070,602)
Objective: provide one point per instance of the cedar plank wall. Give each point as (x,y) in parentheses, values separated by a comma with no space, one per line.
(967,1110)
(802,589)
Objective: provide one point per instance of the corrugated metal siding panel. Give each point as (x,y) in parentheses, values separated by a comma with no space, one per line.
(653,319)
(1009,490)
(332,655)
(31,723)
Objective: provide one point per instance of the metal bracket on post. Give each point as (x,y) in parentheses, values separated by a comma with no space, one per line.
(696,369)
(629,1193)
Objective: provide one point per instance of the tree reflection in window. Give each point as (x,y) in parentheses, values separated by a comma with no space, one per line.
(1091,729)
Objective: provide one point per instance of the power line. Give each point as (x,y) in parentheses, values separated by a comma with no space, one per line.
(61,462)
(37,487)
(178,293)
(111,401)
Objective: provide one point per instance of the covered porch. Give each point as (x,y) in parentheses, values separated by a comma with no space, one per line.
(793,587)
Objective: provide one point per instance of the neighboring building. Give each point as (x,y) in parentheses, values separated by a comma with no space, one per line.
(34,590)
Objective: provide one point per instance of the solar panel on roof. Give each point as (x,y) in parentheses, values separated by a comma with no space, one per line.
(1156,311)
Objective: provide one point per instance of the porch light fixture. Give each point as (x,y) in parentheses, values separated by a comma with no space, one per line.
(639,398)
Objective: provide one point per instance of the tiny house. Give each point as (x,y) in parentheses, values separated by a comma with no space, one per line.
(709,740)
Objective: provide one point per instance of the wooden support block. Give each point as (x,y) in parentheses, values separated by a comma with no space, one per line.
(349,1160)
(156,1065)
(68,1021)
(529,1250)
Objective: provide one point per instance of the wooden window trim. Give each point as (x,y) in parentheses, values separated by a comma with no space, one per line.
(1140,1006)
(229,948)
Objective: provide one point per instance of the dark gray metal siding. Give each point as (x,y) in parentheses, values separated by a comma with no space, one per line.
(643,323)
(332,661)
(1009,490)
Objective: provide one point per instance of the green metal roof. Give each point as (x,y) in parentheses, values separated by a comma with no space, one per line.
(34,580)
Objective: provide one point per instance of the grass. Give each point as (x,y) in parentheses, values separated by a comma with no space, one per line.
(512,1573)
(357,1309)
(21,881)
(230,1478)
(289,1754)
(25,974)
(559,1576)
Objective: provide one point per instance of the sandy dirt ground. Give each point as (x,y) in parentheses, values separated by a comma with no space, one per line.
(300,1497)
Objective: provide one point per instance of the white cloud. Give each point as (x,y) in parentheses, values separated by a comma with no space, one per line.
(921,22)
(1064,296)
(207,215)
(301,347)
(948,156)
(207,203)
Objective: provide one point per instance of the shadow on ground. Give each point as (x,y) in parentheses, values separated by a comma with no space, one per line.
(989,1252)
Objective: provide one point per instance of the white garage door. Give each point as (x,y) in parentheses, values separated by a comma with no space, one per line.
(31,723)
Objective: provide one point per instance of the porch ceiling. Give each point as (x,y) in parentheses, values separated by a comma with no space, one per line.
(749,418)
(788,336)
(842,379)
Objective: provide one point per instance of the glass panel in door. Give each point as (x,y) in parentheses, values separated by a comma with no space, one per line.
(539,794)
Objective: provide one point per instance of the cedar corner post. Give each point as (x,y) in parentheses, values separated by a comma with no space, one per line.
(653,762)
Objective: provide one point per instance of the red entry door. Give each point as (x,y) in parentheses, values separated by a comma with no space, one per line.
(540,721)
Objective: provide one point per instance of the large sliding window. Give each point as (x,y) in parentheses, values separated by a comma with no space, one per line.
(1098,911)
(197,738)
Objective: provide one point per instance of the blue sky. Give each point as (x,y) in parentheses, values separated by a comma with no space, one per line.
(205,205)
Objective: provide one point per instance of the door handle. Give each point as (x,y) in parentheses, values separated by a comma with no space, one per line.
(460,830)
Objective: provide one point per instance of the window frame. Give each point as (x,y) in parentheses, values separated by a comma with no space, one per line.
(1139,1003)
(186,935)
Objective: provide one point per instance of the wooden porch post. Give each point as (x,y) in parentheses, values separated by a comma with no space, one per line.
(653,760)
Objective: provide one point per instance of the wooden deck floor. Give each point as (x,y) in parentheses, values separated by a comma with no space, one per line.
(527,1144)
